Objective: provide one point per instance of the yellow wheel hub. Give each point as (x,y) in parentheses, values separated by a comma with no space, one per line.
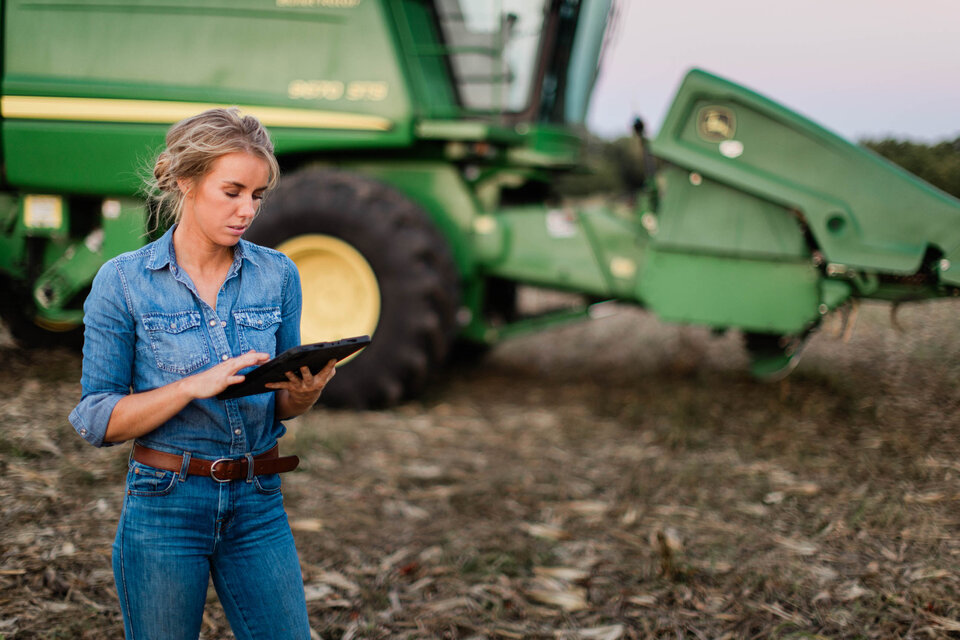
(341,297)
(55,326)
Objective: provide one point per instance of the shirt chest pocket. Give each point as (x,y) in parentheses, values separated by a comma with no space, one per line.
(177,341)
(258,329)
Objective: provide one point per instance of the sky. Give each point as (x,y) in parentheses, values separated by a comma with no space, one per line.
(861,68)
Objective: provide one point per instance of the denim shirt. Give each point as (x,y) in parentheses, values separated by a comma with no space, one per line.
(146,326)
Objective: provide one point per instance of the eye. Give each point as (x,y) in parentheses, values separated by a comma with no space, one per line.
(258,196)
(231,194)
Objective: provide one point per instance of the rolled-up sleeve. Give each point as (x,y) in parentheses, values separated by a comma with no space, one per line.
(109,341)
(289,333)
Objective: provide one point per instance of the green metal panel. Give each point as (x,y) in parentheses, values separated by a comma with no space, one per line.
(331,57)
(209,50)
(604,252)
(111,158)
(426,68)
(618,244)
(758,295)
(707,216)
(122,228)
(592,250)
(862,211)
(539,246)
(80,158)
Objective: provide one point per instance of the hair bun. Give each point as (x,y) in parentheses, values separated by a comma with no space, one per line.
(161,171)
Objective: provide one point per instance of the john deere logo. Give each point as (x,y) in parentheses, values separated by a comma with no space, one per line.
(716,124)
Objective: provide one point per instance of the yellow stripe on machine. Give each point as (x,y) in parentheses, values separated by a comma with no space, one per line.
(163,112)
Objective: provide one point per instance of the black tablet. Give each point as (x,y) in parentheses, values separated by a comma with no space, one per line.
(316,356)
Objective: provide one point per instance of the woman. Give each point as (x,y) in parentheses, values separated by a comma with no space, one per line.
(168,327)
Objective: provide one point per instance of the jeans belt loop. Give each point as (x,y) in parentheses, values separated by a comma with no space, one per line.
(185,466)
(249,457)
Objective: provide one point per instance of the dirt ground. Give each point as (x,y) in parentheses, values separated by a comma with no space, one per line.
(623,478)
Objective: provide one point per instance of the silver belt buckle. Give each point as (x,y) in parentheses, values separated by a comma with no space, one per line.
(213,470)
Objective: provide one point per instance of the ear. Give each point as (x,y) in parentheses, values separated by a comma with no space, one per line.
(184,184)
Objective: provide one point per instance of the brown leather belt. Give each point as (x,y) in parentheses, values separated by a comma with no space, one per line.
(222,470)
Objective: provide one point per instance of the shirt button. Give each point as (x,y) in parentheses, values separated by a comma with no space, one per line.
(173,325)
(83,432)
(223,323)
(236,431)
(224,357)
(213,323)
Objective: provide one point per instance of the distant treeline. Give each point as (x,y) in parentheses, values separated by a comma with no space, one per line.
(616,166)
(938,164)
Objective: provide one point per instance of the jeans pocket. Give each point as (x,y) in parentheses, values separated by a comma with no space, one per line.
(268,484)
(258,329)
(177,341)
(149,481)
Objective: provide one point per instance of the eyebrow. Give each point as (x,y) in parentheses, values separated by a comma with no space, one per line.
(240,185)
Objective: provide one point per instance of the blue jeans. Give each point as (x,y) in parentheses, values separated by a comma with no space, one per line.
(178,530)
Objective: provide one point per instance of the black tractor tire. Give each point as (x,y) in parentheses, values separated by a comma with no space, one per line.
(27,332)
(417,279)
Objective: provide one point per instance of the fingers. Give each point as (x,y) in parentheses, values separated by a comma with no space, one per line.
(212,381)
(323,376)
(255,357)
(307,381)
(247,359)
(295,383)
(328,371)
(307,376)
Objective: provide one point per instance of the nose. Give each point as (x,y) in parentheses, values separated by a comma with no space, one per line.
(250,207)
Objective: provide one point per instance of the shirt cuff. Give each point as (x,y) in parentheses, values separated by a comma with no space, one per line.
(91,416)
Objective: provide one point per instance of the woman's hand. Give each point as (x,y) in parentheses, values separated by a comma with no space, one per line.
(300,393)
(209,383)
(140,413)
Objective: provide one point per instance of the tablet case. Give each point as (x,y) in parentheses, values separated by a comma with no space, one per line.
(316,356)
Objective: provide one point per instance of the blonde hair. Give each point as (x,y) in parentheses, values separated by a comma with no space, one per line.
(194,144)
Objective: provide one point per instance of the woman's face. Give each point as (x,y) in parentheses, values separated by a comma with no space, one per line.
(222,204)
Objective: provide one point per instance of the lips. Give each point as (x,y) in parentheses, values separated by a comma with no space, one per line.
(237,230)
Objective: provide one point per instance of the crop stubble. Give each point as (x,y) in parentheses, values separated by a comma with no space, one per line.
(618,479)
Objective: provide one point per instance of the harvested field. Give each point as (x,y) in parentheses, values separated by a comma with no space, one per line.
(618,479)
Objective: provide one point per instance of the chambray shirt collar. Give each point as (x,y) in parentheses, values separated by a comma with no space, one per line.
(164,254)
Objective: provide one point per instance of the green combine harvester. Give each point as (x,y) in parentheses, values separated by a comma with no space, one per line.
(420,141)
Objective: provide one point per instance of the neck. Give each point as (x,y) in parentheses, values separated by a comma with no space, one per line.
(198,252)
